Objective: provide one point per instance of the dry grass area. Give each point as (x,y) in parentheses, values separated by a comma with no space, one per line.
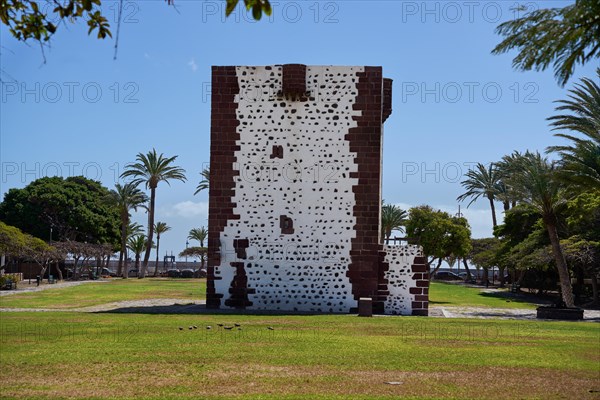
(199,380)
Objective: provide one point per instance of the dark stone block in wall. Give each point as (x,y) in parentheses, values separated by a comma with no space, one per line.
(294,82)
(286,224)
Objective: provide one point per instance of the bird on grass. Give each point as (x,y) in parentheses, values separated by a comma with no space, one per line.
(238,325)
(209,327)
(194,326)
(228,327)
(180,328)
(271,328)
(219,324)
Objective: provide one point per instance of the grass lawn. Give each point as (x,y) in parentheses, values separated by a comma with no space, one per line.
(82,355)
(448,294)
(91,294)
(64,354)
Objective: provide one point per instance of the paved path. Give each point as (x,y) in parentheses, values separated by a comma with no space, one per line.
(502,313)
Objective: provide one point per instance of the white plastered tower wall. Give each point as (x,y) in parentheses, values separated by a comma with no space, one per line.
(289,238)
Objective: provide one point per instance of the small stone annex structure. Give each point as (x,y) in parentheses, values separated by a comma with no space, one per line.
(295,193)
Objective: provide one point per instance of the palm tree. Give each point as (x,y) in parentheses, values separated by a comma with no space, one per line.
(136,244)
(580,160)
(480,182)
(536,183)
(205,182)
(198,234)
(562,36)
(392,218)
(150,169)
(127,197)
(133,229)
(160,228)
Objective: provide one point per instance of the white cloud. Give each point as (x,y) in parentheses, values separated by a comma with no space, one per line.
(193,65)
(189,209)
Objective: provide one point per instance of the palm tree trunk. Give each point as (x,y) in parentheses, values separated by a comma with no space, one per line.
(506,205)
(150,232)
(157,246)
(493,207)
(561,264)
(122,256)
(120,266)
(125,266)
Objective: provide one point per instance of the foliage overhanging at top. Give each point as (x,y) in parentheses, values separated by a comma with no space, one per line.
(36,20)
(563,37)
(580,160)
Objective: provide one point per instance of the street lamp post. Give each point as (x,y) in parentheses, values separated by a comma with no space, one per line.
(186,246)
(458,215)
(49,265)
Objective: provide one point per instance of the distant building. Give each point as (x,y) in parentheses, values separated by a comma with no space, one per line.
(295,193)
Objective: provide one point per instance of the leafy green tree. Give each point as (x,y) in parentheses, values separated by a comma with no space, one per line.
(392,218)
(482,182)
(127,197)
(160,228)
(204,182)
(198,234)
(19,245)
(74,208)
(12,240)
(150,169)
(440,234)
(580,160)
(536,183)
(563,37)
(586,255)
(484,254)
(584,215)
(581,248)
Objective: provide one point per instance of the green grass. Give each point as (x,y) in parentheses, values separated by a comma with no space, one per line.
(448,294)
(91,294)
(82,355)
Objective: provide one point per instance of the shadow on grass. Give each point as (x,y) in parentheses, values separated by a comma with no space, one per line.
(201,309)
(516,297)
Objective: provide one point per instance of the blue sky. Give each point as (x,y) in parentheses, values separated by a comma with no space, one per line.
(454,104)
